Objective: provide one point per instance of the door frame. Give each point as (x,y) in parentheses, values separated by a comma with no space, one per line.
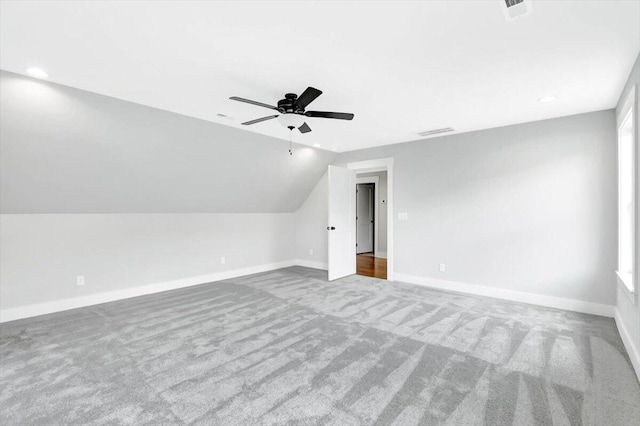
(376,181)
(380,165)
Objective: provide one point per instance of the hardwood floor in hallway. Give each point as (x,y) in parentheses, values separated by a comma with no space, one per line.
(370,266)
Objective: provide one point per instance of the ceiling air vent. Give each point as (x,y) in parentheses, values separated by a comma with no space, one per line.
(225,116)
(512,9)
(436,131)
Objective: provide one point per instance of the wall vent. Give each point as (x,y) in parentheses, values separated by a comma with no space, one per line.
(436,131)
(512,9)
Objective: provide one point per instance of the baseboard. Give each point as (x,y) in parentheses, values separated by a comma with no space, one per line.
(311,264)
(516,296)
(632,350)
(381,254)
(95,299)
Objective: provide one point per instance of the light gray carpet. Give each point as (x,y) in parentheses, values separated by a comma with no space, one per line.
(288,347)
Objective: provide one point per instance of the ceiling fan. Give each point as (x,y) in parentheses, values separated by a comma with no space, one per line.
(292,110)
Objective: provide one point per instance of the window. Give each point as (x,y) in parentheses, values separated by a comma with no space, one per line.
(626,190)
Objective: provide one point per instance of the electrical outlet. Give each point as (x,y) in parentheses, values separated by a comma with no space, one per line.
(403,216)
(311,252)
(80,280)
(442,267)
(223,260)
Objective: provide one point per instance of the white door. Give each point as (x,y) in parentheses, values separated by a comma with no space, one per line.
(342,222)
(364,218)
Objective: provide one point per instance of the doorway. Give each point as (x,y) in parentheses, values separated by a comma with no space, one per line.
(342,257)
(371,225)
(365,201)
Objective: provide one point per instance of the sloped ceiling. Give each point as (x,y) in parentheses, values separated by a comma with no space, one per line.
(65,150)
(401,66)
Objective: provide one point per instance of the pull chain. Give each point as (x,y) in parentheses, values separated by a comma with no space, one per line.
(291,140)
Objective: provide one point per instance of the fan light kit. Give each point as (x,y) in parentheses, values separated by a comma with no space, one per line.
(291,120)
(292,110)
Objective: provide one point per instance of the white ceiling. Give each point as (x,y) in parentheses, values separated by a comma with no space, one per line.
(400,67)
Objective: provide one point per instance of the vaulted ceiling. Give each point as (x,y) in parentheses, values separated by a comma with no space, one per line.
(70,151)
(401,67)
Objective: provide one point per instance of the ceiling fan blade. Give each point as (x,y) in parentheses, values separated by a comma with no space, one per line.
(249,101)
(304,128)
(258,120)
(308,96)
(327,114)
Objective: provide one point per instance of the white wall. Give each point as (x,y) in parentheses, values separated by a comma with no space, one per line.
(527,208)
(134,198)
(66,150)
(381,220)
(43,253)
(628,305)
(311,227)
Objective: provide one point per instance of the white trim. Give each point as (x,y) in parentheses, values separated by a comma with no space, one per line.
(516,296)
(381,254)
(629,103)
(311,264)
(628,111)
(634,353)
(379,165)
(376,181)
(111,296)
(625,282)
(96,299)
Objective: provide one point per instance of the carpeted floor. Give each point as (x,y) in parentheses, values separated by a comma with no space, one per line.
(288,347)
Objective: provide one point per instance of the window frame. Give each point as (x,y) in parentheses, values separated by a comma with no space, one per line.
(629,110)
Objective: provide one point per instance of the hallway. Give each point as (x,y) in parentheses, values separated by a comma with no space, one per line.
(370,266)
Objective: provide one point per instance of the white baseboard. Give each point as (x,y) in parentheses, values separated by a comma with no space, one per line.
(95,299)
(381,254)
(632,350)
(516,296)
(311,264)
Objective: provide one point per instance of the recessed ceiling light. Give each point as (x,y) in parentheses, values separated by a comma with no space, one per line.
(546,99)
(37,72)
(316,145)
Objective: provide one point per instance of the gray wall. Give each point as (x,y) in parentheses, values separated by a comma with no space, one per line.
(100,187)
(69,151)
(530,207)
(311,225)
(382,208)
(42,254)
(628,304)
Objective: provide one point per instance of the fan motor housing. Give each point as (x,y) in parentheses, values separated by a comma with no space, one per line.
(288,104)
